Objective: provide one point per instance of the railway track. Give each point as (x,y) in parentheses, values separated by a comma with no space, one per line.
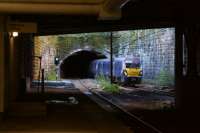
(137,124)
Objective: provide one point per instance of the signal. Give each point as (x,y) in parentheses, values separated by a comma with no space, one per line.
(56,61)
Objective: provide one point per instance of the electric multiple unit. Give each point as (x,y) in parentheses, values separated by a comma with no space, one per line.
(125,70)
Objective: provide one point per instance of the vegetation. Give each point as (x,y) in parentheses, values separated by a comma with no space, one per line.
(155,48)
(106,85)
(67,43)
(51,75)
(164,78)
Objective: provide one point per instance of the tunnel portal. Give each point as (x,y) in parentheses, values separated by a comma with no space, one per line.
(76,65)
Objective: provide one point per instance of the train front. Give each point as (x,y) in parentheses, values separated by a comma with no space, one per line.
(133,70)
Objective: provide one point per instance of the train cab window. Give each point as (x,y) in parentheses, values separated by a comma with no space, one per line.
(132,65)
(136,65)
(128,65)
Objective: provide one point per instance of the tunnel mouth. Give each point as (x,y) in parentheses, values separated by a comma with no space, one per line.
(77,64)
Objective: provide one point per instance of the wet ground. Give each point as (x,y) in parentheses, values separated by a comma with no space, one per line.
(52,113)
(147,102)
(141,97)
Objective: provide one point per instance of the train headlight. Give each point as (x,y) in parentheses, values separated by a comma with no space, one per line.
(125,72)
(141,73)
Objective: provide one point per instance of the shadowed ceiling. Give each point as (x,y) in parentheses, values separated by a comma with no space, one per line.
(104,9)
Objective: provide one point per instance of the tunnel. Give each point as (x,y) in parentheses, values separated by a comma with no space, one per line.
(77,64)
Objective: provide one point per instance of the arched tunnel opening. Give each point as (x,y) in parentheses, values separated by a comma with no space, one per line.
(77,64)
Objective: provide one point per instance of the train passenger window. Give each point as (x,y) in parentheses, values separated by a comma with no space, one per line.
(104,67)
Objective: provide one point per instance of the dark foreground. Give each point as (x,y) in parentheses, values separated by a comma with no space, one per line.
(39,114)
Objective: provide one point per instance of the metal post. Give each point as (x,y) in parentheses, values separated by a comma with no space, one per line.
(192,42)
(42,81)
(40,59)
(179,80)
(111,57)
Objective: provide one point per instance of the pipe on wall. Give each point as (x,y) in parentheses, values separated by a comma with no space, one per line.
(45,8)
(111,9)
(108,9)
(111,5)
(56,1)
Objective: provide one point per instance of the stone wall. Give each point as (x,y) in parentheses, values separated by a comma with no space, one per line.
(156,49)
(157,52)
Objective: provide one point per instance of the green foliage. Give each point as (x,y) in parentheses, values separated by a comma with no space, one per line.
(106,85)
(133,39)
(165,78)
(124,43)
(69,42)
(149,81)
(51,75)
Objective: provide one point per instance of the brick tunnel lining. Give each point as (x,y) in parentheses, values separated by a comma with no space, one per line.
(77,64)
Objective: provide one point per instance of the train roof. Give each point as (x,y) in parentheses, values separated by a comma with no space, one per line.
(119,59)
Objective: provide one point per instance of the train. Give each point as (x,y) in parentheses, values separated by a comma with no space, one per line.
(125,70)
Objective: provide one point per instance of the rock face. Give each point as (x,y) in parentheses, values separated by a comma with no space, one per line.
(158,53)
(156,49)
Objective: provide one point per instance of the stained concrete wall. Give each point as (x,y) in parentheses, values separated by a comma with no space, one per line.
(20,64)
(15,58)
(2,85)
(198,59)
(1,73)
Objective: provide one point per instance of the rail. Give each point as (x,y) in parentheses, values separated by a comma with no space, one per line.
(138,125)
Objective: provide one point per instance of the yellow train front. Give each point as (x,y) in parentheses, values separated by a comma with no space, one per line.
(132,72)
